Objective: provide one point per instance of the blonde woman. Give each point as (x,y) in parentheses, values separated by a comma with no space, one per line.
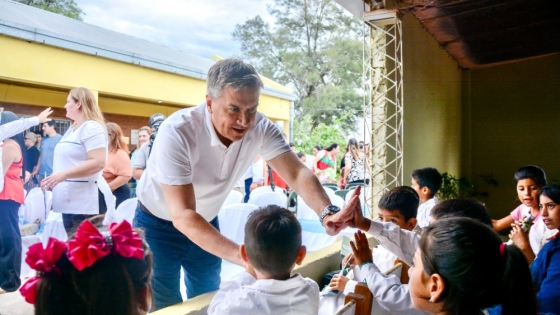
(144,134)
(355,168)
(118,170)
(79,159)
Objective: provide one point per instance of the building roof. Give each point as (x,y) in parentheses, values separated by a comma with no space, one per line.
(36,25)
(482,33)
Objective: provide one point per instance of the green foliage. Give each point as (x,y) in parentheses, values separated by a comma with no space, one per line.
(315,48)
(67,8)
(453,187)
(305,138)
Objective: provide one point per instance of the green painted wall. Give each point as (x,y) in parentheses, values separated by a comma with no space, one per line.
(432,103)
(511,119)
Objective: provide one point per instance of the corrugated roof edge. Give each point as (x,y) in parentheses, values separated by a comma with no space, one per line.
(27,33)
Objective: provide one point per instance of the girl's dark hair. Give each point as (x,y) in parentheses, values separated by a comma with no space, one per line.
(111,286)
(331,147)
(6,117)
(552,192)
(467,255)
(532,172)
(55,292)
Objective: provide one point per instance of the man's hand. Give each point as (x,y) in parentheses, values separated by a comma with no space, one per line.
(360,248)
(337,222)
(338,282)
(44,115)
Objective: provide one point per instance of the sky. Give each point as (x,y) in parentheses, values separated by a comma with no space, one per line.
(198,27)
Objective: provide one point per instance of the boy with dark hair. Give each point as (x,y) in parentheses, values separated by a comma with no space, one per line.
(426,182)
(398,206)
(272,249)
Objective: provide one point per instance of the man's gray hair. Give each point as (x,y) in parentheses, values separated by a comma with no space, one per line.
(234,73)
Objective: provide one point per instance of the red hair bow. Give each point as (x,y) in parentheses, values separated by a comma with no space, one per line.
(42,260)
(89,245)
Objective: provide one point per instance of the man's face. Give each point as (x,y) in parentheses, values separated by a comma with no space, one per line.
(233,113)
(47,129)
(39,138)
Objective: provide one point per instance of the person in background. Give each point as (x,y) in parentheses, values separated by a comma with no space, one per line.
(427,182)
(141,158)
(80,157)
(31,165)
(326,158)
(48,144)
(144,134)
(118,170)
(39,135)
(356,165)
(11,198)
(528,180)
(292,146)
(253,178)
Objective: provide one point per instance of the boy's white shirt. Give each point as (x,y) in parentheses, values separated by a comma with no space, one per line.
(248,295)
(9,130)
(425,212)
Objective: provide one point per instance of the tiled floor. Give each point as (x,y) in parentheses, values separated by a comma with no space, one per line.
(13,304)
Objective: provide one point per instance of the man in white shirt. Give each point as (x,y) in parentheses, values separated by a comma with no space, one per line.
(197,157)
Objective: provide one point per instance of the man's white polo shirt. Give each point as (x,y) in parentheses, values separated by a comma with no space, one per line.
(188,151)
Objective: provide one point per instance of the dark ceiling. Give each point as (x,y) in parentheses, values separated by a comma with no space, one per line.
(481,33)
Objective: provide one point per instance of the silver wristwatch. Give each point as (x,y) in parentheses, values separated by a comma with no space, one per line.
(332,209)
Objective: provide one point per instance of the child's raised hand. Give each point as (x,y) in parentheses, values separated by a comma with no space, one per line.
(338,282)
(44,115)
(360,248)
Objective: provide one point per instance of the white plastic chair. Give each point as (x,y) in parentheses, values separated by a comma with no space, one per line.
(233,197)
(233,219)
(54,227)
(34,206)
(268,198)
(263,189)
(126,210)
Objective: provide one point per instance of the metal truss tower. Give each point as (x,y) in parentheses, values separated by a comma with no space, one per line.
(383,101)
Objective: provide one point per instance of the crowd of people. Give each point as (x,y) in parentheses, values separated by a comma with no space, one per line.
(458,263)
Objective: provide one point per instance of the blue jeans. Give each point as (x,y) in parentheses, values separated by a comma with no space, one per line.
(172,250)
(248,183)
(10,246)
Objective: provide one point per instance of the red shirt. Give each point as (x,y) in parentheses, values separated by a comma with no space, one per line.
(13,183)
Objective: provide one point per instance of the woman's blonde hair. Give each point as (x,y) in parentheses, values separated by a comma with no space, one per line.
(116,141)
(90,109)
(147,129)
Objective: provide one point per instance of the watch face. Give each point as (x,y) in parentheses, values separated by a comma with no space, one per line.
(333,208)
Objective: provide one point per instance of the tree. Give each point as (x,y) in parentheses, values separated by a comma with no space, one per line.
(67,8)
(323,135)
(314,47)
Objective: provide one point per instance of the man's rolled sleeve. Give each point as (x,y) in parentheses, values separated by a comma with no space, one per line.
(172,155)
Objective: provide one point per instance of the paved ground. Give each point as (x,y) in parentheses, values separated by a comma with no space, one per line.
(13,304)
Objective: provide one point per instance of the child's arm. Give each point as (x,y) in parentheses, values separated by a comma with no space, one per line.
(402,243)
(13,128)
(502,223)
(227,299)
(387,290)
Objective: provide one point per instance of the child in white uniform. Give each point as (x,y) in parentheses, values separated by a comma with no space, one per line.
(427,182)
(272,249)
(398,206)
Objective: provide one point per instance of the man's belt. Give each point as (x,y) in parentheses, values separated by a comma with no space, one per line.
(145,210)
